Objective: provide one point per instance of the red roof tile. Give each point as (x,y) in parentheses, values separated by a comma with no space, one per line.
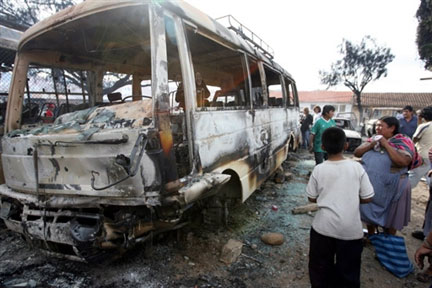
(325,96)
(417,100)
(388,99)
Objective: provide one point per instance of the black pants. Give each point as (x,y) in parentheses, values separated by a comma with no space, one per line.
(320,157)
(334,262)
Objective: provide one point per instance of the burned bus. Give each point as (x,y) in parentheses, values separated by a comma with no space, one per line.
(110,171)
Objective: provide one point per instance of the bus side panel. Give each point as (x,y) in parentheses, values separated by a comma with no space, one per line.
(223,137)
(251,144)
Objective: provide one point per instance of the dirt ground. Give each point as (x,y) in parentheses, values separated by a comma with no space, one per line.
(194,260)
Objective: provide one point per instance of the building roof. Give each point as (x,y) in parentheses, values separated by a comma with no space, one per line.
(417,100)
(318,96)
(387,99)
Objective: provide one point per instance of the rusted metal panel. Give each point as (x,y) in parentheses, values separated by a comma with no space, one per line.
(67,168)
(160,92)
(188,85)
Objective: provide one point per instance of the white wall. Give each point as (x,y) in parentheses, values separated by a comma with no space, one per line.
(338,106)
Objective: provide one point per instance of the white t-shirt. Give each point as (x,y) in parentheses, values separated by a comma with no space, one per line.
(424,134)
(338,187)
(316,117)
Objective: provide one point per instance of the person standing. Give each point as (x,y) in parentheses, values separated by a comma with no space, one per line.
(317,113)
(408,123)
(338,186)
(306,123)
(322,124)
(201,89)
(423,141)
(386,158)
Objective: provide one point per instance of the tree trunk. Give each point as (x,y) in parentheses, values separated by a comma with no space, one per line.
(359,105)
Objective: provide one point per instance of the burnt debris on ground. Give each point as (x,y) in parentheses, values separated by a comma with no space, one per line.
(191,256)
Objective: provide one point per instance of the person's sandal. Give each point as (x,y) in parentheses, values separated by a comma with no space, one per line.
(418,235)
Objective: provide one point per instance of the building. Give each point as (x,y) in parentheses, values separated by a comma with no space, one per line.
(345,101)
(341,100)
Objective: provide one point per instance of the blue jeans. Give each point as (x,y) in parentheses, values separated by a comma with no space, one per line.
(305,137)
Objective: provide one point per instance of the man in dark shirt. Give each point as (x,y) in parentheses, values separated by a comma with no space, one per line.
(306,123)
(408,124)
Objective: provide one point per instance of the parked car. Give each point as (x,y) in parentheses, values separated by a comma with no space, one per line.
(356,125)
(353,137)
(375,114)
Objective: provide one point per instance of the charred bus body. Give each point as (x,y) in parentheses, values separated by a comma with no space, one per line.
(106,175)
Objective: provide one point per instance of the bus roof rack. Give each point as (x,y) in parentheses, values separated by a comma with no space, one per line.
(231,23)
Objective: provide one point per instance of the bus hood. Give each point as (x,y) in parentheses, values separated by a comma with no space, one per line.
(85,153)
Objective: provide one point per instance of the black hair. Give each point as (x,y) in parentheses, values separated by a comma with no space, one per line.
(391,121)
(333,140)
(317,107)
(426,113)
(327,109)
(409,108)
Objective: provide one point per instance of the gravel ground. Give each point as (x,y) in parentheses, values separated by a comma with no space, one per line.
(193,261)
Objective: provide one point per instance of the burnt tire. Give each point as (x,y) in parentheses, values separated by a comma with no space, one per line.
(217,208)
(291,147)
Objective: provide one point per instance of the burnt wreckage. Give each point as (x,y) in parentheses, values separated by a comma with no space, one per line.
(89,175)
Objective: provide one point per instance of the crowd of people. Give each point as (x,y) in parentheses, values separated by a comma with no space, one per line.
(390,164)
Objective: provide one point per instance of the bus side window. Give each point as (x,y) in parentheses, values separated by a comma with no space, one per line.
(274,87)
(222,71)
(257,92)
(291,93)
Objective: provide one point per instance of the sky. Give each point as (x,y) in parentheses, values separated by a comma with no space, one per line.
(305,35)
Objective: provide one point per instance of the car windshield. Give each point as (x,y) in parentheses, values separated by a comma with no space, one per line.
(343,123)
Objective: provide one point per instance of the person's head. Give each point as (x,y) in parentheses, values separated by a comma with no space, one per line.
(198,78)
(426,113)
(333,140)
(387,126)
(328,111)
(317,109)
(306,110)
(408,112)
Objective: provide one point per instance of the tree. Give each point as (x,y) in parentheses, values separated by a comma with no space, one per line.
(25,13)
(28,12)
(424,32)
(359,65)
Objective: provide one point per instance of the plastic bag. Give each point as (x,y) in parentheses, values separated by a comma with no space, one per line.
(392,254)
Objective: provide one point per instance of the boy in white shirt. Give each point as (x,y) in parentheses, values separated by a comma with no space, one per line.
(338,186)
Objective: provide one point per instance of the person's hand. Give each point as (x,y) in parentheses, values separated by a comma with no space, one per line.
(420,254)
(383,141)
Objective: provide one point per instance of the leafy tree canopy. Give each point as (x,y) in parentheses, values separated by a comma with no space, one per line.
(25,13)
(28,12)
(360,64)
(424,32)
